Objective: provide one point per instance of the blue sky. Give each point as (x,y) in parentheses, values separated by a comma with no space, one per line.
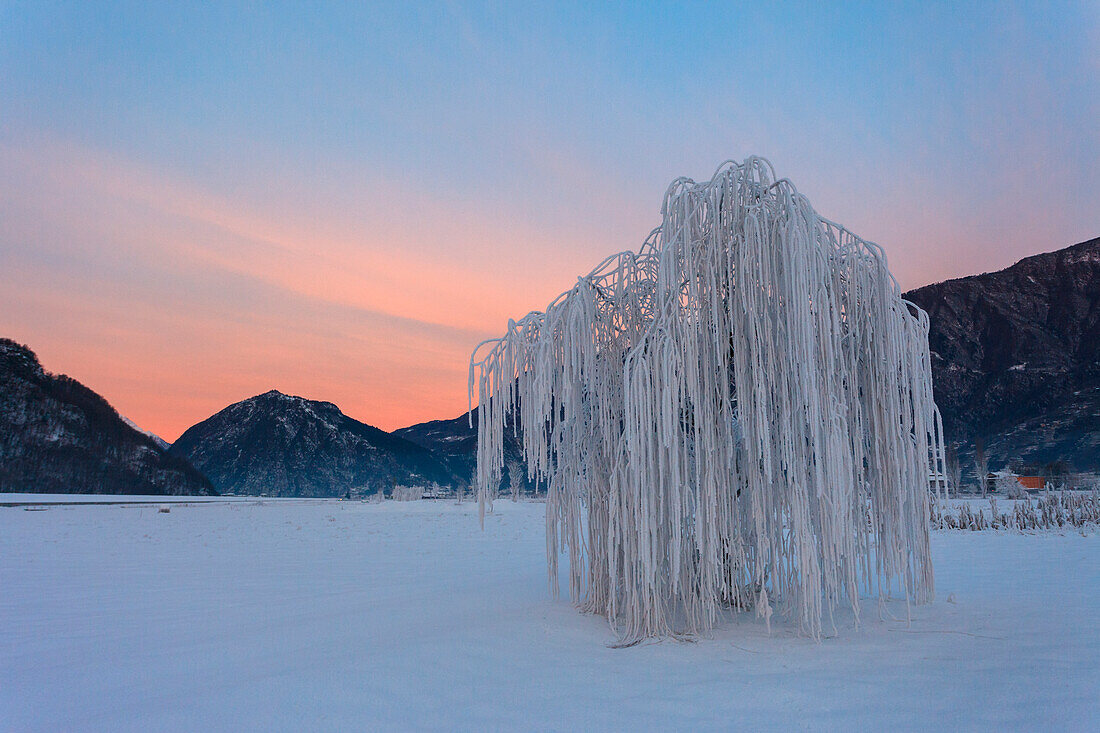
(406,177)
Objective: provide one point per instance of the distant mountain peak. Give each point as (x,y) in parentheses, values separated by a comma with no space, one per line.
(455,441)
(275,397)
(285,445)
(275,394)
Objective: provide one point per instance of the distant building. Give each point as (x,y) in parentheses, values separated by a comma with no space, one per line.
(1032,483)
(936,479)
(999,481)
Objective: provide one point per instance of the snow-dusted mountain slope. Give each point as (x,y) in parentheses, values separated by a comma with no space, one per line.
(455,442)
(161,442)
(282,445)
(1016,357)
(56,435)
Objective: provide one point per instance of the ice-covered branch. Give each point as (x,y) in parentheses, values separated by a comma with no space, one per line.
(739,413)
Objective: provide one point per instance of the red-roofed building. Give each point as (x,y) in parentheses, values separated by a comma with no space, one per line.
(1032,483)
(1001,482)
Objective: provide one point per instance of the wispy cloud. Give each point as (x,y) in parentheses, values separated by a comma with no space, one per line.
(107,259)
(341,200)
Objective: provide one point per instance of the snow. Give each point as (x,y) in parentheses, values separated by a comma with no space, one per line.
(321,615)
(31,499)
(161,442)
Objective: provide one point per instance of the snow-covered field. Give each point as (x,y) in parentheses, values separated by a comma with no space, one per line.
(37,499)
(315,615)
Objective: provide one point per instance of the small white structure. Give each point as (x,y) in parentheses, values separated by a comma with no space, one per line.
(739,414)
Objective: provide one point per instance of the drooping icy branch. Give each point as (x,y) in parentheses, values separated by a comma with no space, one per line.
(739,413)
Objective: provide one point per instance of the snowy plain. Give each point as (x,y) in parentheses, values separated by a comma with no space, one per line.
(56,499)
(327,615)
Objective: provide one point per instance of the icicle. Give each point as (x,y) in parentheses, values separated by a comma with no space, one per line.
(746,402)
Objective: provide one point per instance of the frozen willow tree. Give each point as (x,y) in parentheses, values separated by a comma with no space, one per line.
(738,415)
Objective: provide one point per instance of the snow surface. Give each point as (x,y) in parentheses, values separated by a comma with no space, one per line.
(322,615)
(30,499)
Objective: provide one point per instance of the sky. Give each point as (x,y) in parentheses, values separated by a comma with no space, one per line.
(199,204)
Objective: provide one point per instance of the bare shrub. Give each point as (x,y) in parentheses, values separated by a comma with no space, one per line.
(515,479)
(407,493)
(1054,510)
(981,466)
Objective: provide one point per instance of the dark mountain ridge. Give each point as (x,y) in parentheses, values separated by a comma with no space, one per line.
(455,442)
(58,436)
(1016,358)
(284,445)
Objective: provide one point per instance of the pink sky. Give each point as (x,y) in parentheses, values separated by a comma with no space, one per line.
(199,204)
(173,302)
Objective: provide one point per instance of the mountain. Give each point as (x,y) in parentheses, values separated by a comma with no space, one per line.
(281,445)
(58,436)
(1016,358)
(455,442)
(161,442)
